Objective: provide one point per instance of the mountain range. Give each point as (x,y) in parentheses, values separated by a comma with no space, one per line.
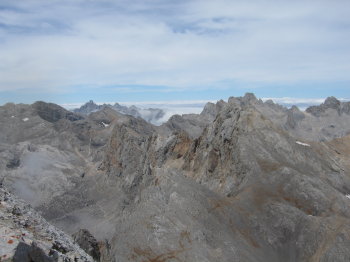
(152,115)
(244,180)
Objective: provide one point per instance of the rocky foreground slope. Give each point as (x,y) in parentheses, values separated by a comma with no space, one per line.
(243,181)
(26,236)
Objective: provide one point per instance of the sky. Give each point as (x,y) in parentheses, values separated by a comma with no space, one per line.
(165,50)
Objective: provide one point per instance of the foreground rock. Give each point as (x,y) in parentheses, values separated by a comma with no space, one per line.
(26,236)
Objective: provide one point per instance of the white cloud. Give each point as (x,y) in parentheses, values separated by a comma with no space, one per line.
(294,101)
(59,44)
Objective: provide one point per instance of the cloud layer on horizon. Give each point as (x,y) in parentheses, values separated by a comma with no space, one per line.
(60,46)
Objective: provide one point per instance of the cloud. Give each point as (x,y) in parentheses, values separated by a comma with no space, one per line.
(295,101)
(59,45)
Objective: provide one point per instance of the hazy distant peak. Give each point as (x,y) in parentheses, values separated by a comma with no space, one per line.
(269,102)
(332,102)
(151,115)
(249,97)
(295,109)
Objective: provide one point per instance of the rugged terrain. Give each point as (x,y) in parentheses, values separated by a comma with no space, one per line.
(242,181)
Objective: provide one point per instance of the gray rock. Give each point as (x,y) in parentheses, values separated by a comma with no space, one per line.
(16,210)
(52,112)
(88,243)
(30,253)
(61,247)
(13,162)
(88,108)
(294,116)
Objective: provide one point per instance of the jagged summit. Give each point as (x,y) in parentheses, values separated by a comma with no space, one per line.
(249,97)
(332,102)
(88,108)
(329,104)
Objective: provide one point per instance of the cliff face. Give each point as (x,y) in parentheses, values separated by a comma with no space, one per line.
(243,181)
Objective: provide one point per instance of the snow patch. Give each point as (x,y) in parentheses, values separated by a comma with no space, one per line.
(12,116)
(105,125)
(301,143)
(25,119)
(348,196)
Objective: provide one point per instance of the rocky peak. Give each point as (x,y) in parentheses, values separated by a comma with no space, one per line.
(246,100)
(52,112)
(209,111)
(332,102)
(329,103)
(295,109)
(269,102)
(294,116)
(87,108)
(249,97)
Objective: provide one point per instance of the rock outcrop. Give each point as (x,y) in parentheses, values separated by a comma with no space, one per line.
(88,243)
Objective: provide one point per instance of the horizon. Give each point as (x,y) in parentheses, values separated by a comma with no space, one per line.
(152,50)
(196,106)
(285,101)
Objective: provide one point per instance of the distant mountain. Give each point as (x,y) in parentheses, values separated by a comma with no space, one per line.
(151,115)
